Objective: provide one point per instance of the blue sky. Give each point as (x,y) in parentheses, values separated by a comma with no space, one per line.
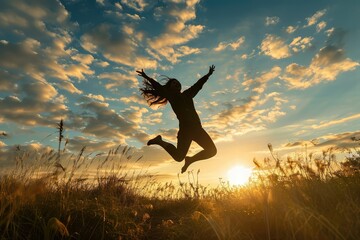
(286,73)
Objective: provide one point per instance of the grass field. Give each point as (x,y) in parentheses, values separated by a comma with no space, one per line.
(303,198)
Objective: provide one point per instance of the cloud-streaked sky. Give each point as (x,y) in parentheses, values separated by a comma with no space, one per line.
(286,73)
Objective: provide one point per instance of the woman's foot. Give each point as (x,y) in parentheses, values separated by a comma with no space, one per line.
(186,165)
(155,140)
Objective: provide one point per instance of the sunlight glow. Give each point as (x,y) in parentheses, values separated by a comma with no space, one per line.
(239,175)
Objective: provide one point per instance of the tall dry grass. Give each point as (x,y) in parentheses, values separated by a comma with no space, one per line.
(86,196)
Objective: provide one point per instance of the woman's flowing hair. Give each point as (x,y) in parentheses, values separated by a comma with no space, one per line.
(153,96)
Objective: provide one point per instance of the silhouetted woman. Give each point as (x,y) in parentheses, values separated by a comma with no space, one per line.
(190,128)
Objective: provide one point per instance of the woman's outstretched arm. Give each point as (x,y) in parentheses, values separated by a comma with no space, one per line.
(153,82)
(152,91)
(194,89)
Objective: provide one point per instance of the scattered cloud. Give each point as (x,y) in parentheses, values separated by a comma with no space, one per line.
(68,86)
(315,18)
(92,146)
(301,43)
(115,45)
(153,118)
(38,51)
(40,105)
(274,47)
(336,37)
(291,29)
(96,97)
(135,98)
(177,31)
(233,45)
(335,122)
(101,2)
(138,5)
(103,122)
(134,114)
(258,85)
(249,114)
(133,16)
(330,31)
(271,20)
(326,65)
(6,84)
(119,79)
(320,26)
(339,140)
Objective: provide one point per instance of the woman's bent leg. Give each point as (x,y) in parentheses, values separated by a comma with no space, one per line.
(209,149)
(177,153)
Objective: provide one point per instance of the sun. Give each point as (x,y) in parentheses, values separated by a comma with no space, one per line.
(239,175)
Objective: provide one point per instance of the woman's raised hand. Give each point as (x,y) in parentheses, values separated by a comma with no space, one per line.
(142,73)
(211,69)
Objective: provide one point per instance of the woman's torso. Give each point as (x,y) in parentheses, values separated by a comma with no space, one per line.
(184,108)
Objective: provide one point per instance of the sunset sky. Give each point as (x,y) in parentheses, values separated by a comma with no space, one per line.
(287,73)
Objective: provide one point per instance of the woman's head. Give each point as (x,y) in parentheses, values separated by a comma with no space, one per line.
(155,97)
(173,85)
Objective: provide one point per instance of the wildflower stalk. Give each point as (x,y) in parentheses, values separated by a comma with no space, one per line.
(61,129)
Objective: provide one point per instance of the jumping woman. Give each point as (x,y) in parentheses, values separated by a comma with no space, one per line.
(190,128)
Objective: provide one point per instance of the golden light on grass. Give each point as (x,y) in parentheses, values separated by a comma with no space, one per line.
(239,175)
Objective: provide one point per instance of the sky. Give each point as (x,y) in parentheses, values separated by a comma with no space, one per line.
(287,73)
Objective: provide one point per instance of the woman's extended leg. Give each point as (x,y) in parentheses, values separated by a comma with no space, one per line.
(209,149)
(177,153)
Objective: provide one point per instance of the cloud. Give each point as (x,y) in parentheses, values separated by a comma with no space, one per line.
(77,143)
(97,97)
(101,121)
(258,84)
(68,86)
(300,44)
(336,37)
(134,114)
(40,105)
(119,79)
(153,118)
(165,44)
(33,151)
(86,59)
(335,122)
(291,29)
(248,114)
(135,98)
(320,26)
(30,67)
(133,16)
(271,21)
(119,6)
(339,140)
(233,45)
(342,140)
(115,45)
(274,47)
(22,14)
(5,84)
(39,47)
(177,32)
(101,2)
(314,18)
(330,31)
(326,65)
(138,5)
